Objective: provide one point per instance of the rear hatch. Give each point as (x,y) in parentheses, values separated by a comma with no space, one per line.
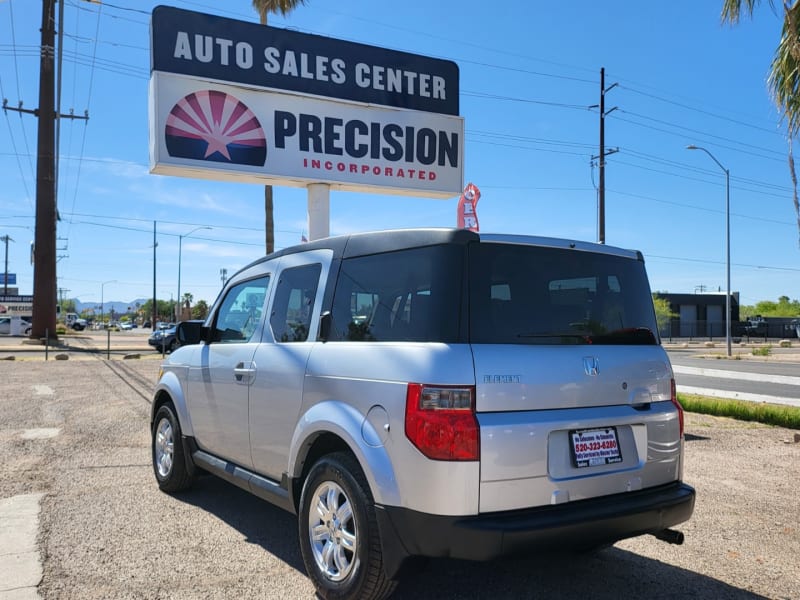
(573,390)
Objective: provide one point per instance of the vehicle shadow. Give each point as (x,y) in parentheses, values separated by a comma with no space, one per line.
(258,521)
(606,574)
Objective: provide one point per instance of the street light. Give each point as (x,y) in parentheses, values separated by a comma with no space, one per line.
(178,311)
(102,303)
(727,244)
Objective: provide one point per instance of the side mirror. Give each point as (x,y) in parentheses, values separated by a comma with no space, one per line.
(325,322)
(190,332)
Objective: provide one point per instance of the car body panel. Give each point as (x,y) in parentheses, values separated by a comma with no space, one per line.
(521,377)
(276,393)
(172,384)
(336,371)
(217,398)
(526,456)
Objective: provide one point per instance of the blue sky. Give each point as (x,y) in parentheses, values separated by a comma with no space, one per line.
(528,73)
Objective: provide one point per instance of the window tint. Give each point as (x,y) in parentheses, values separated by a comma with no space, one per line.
(409,295)
(534,295)
(294,300)
(240,313)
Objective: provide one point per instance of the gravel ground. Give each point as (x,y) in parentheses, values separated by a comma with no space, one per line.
(107,532)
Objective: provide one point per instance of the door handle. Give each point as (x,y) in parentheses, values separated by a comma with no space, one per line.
(244,374)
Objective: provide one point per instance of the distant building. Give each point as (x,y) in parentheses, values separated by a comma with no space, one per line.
(700,315)
(703,316)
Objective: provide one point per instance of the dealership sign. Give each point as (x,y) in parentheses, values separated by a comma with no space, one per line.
(238,101)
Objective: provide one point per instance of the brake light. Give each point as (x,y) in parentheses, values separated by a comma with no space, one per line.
(441,423)
(674,398)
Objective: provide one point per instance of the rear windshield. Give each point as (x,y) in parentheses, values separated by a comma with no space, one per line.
(534,295)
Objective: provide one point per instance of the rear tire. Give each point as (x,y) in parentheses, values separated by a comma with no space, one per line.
(169,459)
(339,537)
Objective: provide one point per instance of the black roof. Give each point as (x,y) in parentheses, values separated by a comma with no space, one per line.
(373,242)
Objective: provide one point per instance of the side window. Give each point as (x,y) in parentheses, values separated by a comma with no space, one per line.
(406,295)
(294,299)
(240,313)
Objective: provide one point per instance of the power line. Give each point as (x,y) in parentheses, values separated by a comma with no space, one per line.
(700,208)
(763,193)
(720,262)
(691,130)
(703,112)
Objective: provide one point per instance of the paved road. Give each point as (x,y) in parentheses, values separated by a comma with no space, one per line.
(755,381)
(76,432)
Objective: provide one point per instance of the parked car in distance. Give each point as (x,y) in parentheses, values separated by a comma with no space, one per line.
(163,339)
(15,326)
(431,392)
(125,325)
(74,322)
(756,327)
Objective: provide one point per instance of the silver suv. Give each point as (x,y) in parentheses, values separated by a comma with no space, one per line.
(431,393)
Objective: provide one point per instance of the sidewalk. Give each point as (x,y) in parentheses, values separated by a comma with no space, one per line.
(92,342)
(742,351)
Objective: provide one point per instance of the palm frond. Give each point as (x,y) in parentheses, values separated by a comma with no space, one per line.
(732,9)
(282,7)
(784,77)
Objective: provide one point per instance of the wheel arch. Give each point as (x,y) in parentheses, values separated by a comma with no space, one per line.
(335,426)
(170,391)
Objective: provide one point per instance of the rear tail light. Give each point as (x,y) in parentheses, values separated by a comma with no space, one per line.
(674,398)
(441,423)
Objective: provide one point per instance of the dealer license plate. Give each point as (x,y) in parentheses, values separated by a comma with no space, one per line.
(595,447)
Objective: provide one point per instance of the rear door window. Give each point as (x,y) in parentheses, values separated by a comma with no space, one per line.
(535,295)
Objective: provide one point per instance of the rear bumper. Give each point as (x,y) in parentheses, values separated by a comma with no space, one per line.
(583,523)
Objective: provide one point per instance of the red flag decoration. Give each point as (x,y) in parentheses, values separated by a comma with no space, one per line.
(467,208)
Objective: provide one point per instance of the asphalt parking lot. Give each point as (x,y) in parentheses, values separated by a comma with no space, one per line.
(105,531)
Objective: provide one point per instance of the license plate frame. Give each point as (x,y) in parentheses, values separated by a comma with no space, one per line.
(594,447)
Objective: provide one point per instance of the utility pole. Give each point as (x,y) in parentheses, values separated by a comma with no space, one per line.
(61,292)
(154,311)
(44,249)
(6,239)
(601,192)
(44,268)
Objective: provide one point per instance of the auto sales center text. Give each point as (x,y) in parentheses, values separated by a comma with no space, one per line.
(333,136)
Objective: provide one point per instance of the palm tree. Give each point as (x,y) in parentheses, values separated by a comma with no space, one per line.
(784,74)
(263,7)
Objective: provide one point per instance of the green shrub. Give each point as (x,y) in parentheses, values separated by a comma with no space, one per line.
(770,414)
(762,351)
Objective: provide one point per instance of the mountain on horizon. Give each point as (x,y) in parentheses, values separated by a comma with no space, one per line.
(119,307)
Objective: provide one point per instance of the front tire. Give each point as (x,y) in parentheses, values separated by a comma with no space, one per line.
(339,537)
(169,459)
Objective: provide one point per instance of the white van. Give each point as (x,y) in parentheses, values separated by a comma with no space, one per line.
(15,326)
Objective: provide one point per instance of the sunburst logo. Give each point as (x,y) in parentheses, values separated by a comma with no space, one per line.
(215,126)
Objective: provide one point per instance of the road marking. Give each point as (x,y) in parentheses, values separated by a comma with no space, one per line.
(20,563)
(41,433)
(690,389)
(720,374)
(43,390)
